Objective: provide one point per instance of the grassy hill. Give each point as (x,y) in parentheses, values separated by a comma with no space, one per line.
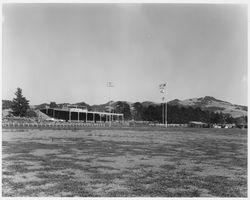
(208,103)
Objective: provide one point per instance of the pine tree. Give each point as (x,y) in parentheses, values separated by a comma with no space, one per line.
(20,104)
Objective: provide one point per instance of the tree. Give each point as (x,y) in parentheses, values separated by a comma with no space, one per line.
(53,105)
(124,108)
(217,118)
(229,119)
(152,113)
(138,111)
(20,104)
(6,104)
(31,113)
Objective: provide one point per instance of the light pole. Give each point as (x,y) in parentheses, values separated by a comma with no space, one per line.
(164,94)
(109,85)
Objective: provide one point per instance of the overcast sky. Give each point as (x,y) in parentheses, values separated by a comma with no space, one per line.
(68,52)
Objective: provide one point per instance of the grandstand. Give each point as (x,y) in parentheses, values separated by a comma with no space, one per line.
(81,114)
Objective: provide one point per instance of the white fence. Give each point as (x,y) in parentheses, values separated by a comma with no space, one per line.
(51,125)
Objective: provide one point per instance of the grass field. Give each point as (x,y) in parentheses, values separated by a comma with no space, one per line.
(126,163)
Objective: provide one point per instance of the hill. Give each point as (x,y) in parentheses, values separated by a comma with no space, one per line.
(212,104)
(149,103)
(83,104)
(103,107)
(145,110)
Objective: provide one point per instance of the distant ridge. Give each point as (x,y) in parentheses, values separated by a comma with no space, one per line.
(148,103)
(207,103)
(212,104)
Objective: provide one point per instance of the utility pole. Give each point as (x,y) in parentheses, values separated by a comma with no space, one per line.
(162,90)
(109,85)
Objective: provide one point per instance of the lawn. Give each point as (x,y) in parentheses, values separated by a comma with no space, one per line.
(170,162)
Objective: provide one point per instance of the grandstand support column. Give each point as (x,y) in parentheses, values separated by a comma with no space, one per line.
(93,117)
(53,113)
(86,117)
(100,117)
(69,116)
(78,116)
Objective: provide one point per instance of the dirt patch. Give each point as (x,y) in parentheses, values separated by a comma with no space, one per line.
(44,152)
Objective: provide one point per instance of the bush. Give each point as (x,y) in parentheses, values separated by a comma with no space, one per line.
(31,113)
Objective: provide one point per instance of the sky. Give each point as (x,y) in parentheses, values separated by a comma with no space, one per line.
(68,52)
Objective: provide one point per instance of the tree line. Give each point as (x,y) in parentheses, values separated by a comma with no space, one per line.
(175,114)
(139,112)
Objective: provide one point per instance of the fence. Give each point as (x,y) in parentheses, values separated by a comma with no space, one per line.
(52,125)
